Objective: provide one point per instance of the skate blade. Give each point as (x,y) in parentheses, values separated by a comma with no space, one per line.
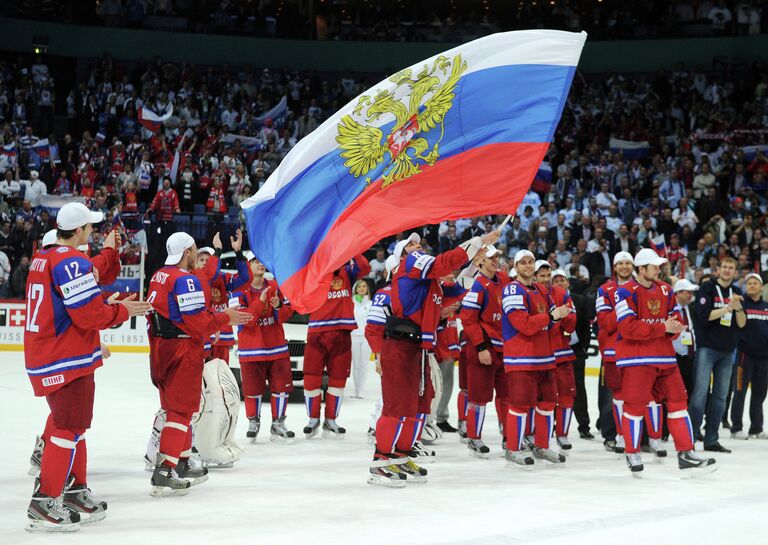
(424,459)
(34,471)
(416,479)
(696,472)
(165,492)
(197,480)
(45,527)
(149,467)
(280,439)
(520,467)
(223,465)
(480,455)
(384,481)
(88,518)
(335,436)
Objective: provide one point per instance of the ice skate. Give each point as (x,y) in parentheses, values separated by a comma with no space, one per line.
(311,429)
(149,465)
(80,499)
(478,449)
(446,427)
(37,455)
(619,448)
(690,462)
(655,446)
(741,434)
(386,472)
(278,433)
(462,431)
(371,436)
(331,430)
(548,455)
(761,435)
(528,441)
(422,454)
(254,425)
(519,458)
(194,475)
(564,443)
(165,482)
(414,473)
(46,514)
(431,433)
(635,462)
(610,445)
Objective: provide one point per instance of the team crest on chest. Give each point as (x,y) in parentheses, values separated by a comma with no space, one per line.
(654,306)
(215,294)
(541,309)
(337,284)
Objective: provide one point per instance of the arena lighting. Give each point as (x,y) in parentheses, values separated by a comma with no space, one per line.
(40,45)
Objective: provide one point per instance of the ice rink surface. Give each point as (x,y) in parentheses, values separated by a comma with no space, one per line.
(314,492)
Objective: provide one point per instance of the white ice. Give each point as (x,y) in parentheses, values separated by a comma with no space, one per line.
(314,492)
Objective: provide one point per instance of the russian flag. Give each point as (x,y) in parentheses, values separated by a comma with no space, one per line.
(42,148)
(750,152)
(152,121)
(542,182)
(658,245)
(276,114)
(9,150)
(630,150)
(458,135)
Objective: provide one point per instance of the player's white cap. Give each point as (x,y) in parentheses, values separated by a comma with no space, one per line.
(206,250)
(751,275)
(49,238)
(175,245)
(73,215)
(622,256)
(685,285)
(491,251)
(391,264)
(523,253)
(541,263)
(248,255)
(559,272)
(646,256)
(400,246)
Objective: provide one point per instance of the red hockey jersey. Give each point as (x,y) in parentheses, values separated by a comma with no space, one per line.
(525,327)
(417,293)
(481,312)
(338,312)
(221,284)
(448,347)
(560,333)
(640,314)
(65,312)
(263,338)
(178,296)
(377,318)
(607,330)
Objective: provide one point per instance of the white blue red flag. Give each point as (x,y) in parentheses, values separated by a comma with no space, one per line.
(152,121)
(629,149)
(659,245)
(458,135)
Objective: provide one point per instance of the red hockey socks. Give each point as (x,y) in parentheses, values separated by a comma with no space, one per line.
(475,419)
(58,458)
(530,422)
(80,463)
(422,421)
(279,402)
(333,399)
(545,421)
(516,417)
(174,438)
(618,412)
(312,400)
(653,422)
(409,434)
(253,406)
(388,431)
(462,405)
(681,430)
(633,432)
(563,420)
(502,408)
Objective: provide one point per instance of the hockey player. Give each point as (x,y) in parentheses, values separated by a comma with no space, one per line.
(644,352)
(481,315)
(529,362)
(606,339)
(416,300)
(263,353)
(329,347)
(221,284)
(560,337)
(65,312)
(179,325)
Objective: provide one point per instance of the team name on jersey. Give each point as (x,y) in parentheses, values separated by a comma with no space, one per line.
(160,277)
(38,265)
(338,294)
(269,320)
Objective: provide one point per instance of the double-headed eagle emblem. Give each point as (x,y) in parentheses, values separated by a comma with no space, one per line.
(417,105)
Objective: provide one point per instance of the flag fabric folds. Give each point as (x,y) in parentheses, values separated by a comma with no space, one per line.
(458,135)
(152,121)
(658,245)
(629,149)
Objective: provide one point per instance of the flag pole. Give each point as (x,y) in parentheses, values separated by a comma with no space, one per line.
(504,223)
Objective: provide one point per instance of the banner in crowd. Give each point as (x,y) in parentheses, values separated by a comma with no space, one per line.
(129,280)
(54,202)
(276,114)
(542,182)
(750,152)
(130,336)
(248,142)
(458,135)
(152,121)
(630,150)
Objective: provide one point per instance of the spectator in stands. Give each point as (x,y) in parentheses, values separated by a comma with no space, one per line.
(166,202)
(19,277)
(5,275)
